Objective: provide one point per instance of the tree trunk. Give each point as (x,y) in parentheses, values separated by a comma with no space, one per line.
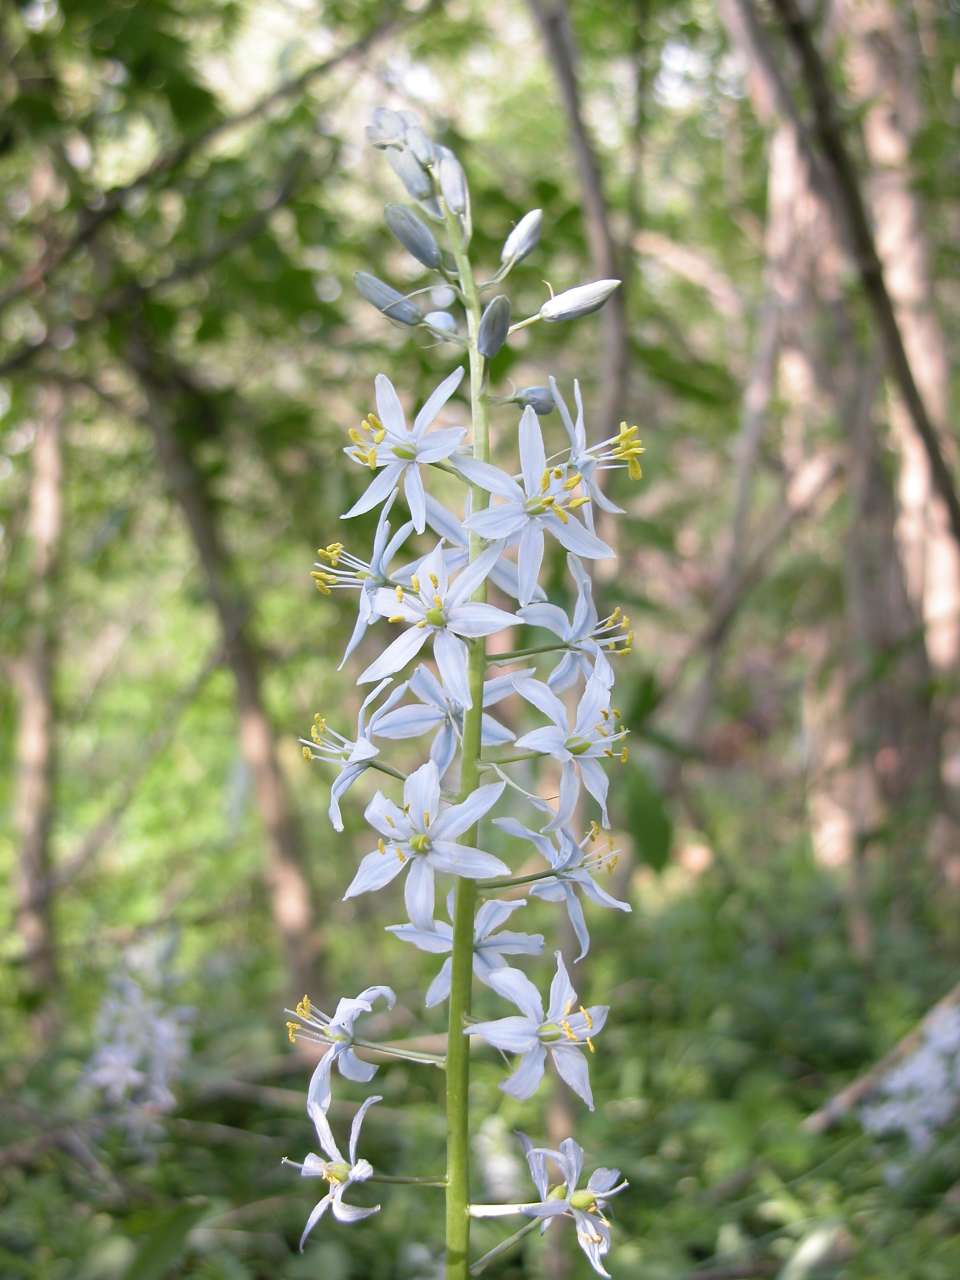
(173,397)
(34,675)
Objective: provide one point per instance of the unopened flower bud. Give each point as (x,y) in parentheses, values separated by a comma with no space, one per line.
(441,320)
(416,238)
(386,299)
(442,296)
(540,399)
(453,181)
(416,139)
(386,128)
(494,324)
(410,172)
(580,301)
(524,237)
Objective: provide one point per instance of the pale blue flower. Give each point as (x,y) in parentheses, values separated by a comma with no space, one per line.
(457,553)
(396,452)
(580,746)
(586,1207)
(353,756)
(560,1031)
(421,838)
(441,612)
(310,1023)
(339,1173)
(489,946)
(613,454)
(580,301)
(340,570)
(437,712)
(572,866)
(543,502)
(586,638)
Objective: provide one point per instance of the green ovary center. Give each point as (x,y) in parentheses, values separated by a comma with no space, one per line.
(577,746)
(336,1171)
(436,617)
(405,452)
(420,844)
(585,1200)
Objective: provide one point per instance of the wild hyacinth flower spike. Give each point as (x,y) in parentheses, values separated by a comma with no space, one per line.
(560,1032)
(340,1174)
(384,443)
(586,1205)
(491,538)
(572,867)
(420,838)
(491,942)
(307,1022)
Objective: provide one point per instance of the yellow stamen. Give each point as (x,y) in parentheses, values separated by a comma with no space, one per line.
(381,847)
(577,503)
(397,617)
(304,1008)
(572,481)
(415,582)
(398,592)
(591,1046)
(624,755)
(306,753)
(434,581)
(545,480)
(564,518)
(437,601)
(586,1017)
(292,1029)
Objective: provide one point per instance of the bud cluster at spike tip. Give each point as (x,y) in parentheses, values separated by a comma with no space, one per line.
(422,615)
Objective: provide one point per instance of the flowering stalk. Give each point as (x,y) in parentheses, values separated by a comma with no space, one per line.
(439,599)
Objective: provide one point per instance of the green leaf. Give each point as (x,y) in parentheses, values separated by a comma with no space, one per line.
(647,818)
(164,1245)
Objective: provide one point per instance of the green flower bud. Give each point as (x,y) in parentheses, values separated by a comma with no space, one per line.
(494,324)
(580,301)
(386,299)
(410,172)
(415,237)
(524,237)
(540,399)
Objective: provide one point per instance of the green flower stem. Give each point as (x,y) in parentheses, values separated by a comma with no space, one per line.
(504,1247)
(413,1182)
(528,653)
(507,882)
(461,978)
(408,1055)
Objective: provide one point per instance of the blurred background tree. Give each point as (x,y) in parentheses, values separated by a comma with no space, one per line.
(186,195)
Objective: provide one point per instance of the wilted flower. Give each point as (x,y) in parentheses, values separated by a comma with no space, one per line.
(543,503)
(489,946)
(387,445)
(560,1031)
(494,326)
(523,239)
(415,236)
(579,746)
(339,1173)
(572,867)
(573,303)
(386,299)
(310,1023)
(440,612)
(421,837)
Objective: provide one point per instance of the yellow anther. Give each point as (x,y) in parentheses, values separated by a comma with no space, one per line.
(557,472)
(292,1029)
(381,847)
(323,581)
(390,821)
(586,1017)
(378,435)
(306,753)
(371,459)
(422,623)
(567,1007)
(567,1030)
(397,617)
(564,518)
(304,1008)
(605,713)
(434,581)
(577,503)
(545,481)
(624,755)
(615,615)
(374,423)
(426,817)
(401,856)
(314,733)
(594,830)
(437,600)
(356,437)
(591,1046)
(572,481)
(331,553)
(398,592)
(415,582)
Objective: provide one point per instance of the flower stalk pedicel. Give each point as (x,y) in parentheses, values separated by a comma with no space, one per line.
(437,604)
